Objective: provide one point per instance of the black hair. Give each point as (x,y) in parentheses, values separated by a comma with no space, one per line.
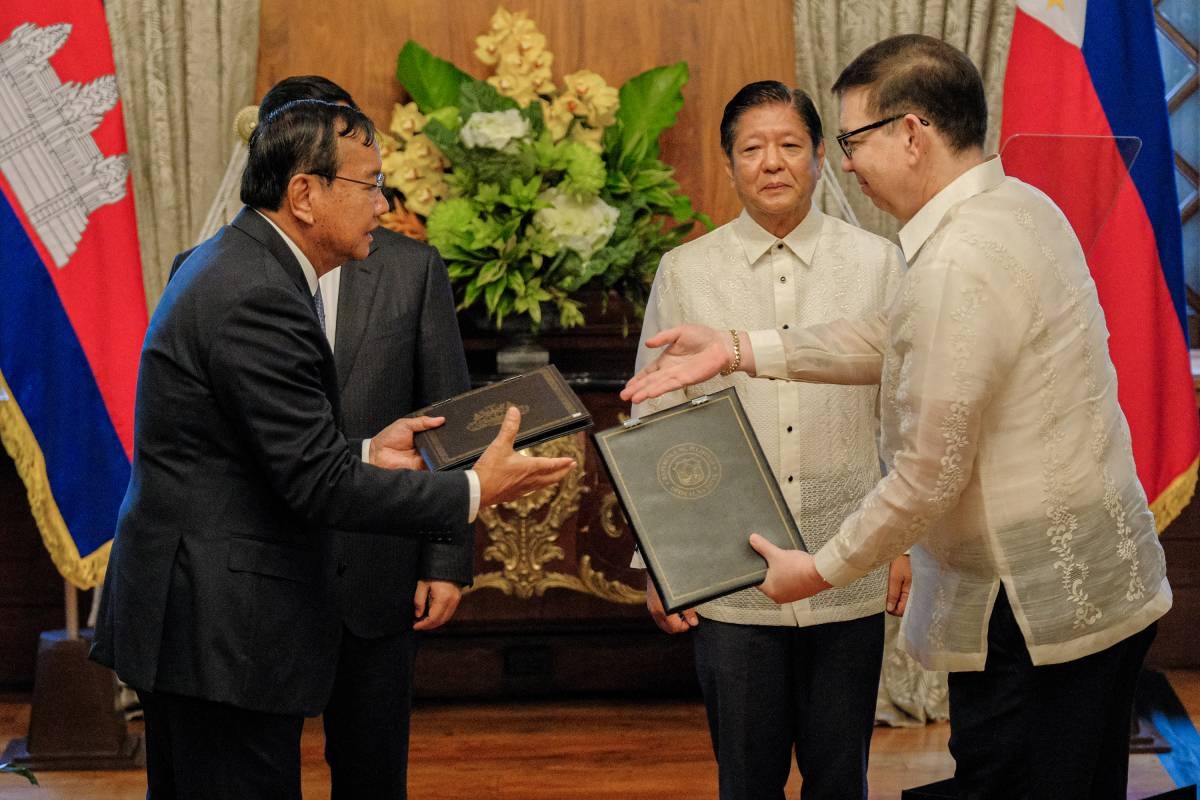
(299,137)
(916,74)
(762,93)
(303,87)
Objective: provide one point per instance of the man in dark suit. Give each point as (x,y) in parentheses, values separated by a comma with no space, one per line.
(397,348)
(216,606)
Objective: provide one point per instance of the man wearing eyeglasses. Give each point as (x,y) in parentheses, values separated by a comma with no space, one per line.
(391,325)
(216,604)
(1037,572)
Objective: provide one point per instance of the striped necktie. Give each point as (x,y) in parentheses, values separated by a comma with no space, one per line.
(319,304)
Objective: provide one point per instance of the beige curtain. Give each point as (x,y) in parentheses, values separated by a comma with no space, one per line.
(980,28)
(184,69)
(829,34)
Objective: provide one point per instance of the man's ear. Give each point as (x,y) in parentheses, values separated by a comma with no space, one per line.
(916,138)
(299,196)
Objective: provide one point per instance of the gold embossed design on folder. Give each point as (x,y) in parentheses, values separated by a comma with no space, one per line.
(491,416)
(689,471)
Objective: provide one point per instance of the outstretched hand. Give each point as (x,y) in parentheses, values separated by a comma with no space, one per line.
(392,447)
(505,474)
(693,353)
(791,574)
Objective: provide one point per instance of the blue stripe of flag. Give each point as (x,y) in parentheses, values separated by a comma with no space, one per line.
(1121,51)
(56,391)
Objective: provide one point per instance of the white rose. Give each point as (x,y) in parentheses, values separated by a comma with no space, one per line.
(494,129)
(582,227)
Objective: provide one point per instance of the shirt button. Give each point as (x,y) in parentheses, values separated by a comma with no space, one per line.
(789,478)
(785,327)
(783,278)
(789,428)
(779,246)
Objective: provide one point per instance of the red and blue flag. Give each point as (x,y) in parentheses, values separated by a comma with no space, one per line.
(72,306)
(1082,89)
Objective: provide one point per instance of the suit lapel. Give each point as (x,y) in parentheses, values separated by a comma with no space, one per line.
(253,224)
(355,295)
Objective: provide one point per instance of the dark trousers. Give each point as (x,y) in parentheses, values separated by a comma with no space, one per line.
(1058,731)
(201,750)
(367,719)
(770,689)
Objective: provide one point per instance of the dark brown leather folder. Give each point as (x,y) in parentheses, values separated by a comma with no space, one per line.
(694,485)
(549,409)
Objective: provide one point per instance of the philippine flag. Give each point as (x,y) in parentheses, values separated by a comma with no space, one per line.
(1083,89)
(72,306)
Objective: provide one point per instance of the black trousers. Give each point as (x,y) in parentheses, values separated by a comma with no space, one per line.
(1058,731)
(201,750)
(770,690)
(367,719)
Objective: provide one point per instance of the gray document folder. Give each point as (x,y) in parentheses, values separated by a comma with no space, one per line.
(694,485)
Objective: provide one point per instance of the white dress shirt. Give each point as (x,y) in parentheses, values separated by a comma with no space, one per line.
(1009,458)
(820,440)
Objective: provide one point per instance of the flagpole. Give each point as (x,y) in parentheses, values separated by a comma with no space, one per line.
(71,602)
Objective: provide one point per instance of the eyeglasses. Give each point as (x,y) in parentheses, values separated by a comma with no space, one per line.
(844,138)
(376,184)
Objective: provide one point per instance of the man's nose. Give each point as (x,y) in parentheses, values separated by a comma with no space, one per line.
(772,158)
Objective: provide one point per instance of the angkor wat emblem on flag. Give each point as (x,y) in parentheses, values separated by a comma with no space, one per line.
(47,153)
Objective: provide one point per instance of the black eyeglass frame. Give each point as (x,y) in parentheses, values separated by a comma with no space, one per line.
(375,184)
(848,149)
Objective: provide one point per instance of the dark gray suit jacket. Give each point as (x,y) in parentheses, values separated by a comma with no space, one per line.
(217,580)
(397,349)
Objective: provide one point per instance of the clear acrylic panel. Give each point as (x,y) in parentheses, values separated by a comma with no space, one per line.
(1081,174)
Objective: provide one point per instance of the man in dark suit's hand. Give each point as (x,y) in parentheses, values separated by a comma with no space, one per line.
(505,474)
(393,448)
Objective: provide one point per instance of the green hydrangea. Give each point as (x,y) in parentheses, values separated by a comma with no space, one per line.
(449,225)
(585,173)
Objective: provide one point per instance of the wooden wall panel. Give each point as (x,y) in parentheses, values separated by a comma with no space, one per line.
(727,43)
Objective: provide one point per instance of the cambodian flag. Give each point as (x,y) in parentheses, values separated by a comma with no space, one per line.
(1083,86)
(72,306)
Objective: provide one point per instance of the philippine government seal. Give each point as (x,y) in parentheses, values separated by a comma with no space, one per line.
(689,470)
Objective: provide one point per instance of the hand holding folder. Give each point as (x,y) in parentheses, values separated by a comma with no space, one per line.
(694,484)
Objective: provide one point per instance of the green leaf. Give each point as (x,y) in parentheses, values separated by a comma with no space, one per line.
(491,295)
(492,271)
(447,116)
(516,283)
(482,96)
(445,138)
(432,82)
(471,294)
(537,123)
(17,769)
(569,314)
(650,102)
(522,195)
(487,195)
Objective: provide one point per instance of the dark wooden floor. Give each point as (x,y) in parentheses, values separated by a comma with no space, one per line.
(570,750)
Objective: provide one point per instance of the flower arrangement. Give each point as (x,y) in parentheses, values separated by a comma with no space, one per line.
(529,190)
